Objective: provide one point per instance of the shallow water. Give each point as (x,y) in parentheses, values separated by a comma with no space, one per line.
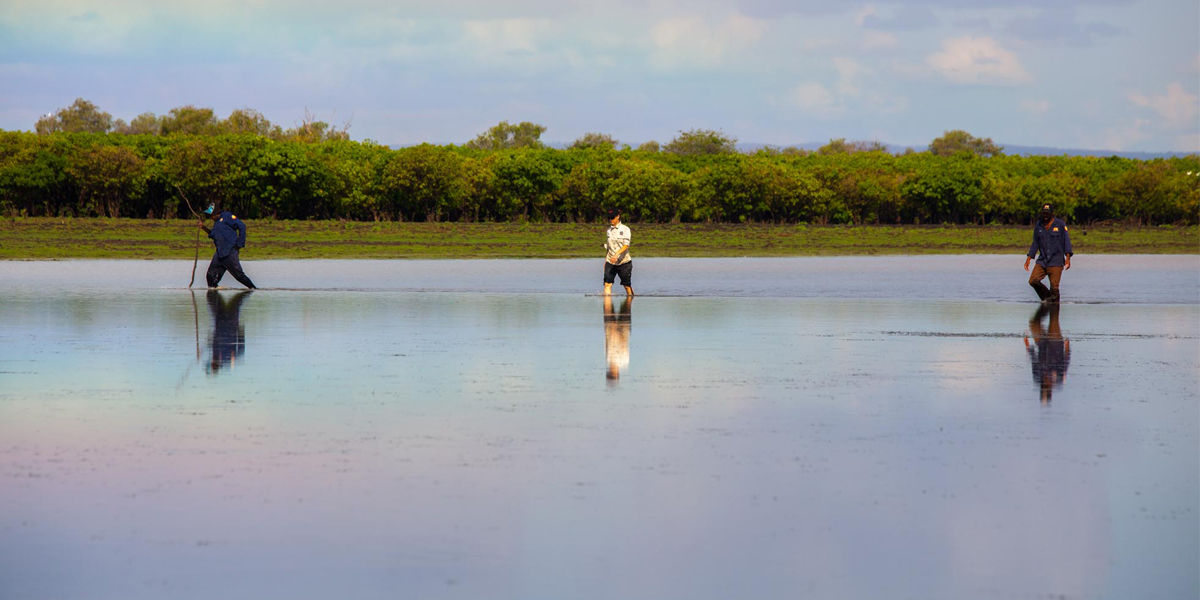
(835,428)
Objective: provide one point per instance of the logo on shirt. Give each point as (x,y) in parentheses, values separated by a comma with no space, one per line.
(1056,229)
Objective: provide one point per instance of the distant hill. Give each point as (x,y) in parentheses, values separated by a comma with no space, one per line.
(1008,149)
(750,148)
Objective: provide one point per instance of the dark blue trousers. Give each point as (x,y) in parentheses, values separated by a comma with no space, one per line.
(218,266)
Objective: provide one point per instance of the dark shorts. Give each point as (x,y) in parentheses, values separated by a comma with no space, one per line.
(625,271)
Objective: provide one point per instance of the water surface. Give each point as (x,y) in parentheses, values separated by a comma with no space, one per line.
(833,428)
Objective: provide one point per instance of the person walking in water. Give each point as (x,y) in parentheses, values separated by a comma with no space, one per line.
(1052,248)
(617,260)
(228,234)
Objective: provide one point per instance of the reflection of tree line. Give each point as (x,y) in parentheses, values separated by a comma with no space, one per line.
(1050,352)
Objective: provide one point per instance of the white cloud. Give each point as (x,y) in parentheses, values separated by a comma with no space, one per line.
(505,36)
(1177,106)
(889,104)
(848,71)
(876,40)
(860,16)
(694,39)
(814,98)
(1035,107)
(974,60)
(1121,138)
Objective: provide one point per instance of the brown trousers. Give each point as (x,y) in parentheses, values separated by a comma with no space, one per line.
(1038,274)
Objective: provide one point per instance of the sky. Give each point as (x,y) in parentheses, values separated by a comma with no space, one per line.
(1091,74)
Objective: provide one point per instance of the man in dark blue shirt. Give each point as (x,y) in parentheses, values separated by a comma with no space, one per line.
(228,235)
(1052,248)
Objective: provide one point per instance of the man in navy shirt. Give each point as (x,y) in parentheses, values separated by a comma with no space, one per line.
(228,235)
(1052,248)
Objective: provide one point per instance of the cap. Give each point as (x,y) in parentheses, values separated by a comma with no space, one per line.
(1047,209)
(613,213)
(210,209)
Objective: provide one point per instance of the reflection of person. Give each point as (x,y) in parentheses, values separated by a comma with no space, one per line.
(1050,353)
(616,337)
(228,235)
(228,337)
(617,260)
(1052,247)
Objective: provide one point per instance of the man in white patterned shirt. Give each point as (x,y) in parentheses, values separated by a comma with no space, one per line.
(617,261)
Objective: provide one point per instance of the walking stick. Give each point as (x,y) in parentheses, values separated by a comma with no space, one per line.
(195,259)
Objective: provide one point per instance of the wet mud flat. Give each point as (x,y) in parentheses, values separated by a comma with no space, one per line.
(160,443)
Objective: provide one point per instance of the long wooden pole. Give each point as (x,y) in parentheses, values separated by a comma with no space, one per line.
(195,259)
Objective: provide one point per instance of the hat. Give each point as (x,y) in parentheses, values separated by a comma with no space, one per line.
(1047,209)
(210,209)
(613,213)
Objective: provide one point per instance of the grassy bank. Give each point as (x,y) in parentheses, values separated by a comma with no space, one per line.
(48,238)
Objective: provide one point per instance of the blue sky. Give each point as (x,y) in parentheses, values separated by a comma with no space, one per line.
(1099,74)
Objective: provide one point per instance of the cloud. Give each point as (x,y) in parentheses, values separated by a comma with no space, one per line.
(975,23)
(1121,138)
(1177,106)
(1059,25)
(972,60)
(90,15)
(815,98)
(876,40)
(905,18)
(696,40)
(819,100)
(862,14)
(848,71)
(507,36)
(1035,107)
(882,104)
(780,8)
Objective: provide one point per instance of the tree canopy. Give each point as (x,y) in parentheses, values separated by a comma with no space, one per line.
(81,162)
(696,142)
(957,140)
(506,136)
(80,117)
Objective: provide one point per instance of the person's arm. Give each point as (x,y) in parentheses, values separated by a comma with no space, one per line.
(206,230)
(241,232)
(1032,250)
(1067,241)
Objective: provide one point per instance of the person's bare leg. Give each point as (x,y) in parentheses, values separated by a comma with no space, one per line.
(628,290)
(608,289)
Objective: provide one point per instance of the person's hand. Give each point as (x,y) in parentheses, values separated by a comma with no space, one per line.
(1068,264)
(1026,263)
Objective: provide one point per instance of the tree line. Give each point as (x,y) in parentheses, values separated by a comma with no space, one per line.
(80,164)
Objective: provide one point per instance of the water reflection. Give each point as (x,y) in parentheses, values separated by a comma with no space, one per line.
(228,340)
(616,337)
(1050,352)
